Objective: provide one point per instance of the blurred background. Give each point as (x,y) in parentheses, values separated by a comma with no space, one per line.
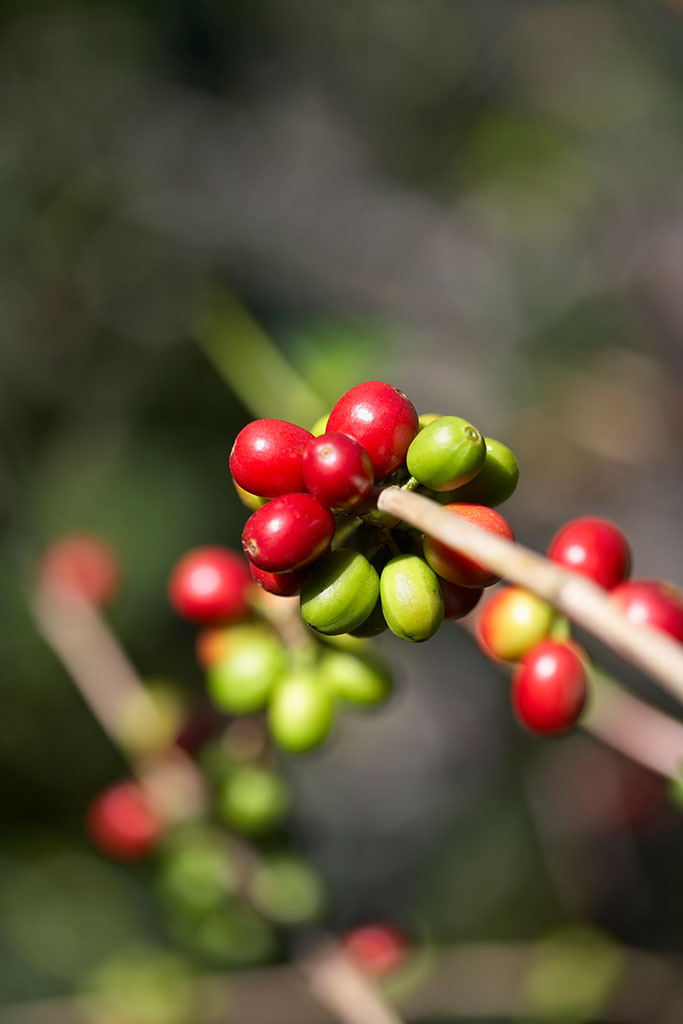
(213,212)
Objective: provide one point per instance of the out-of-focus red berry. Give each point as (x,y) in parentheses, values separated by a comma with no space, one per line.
(81,565)
(283,584)
(456,567)
(266,458)
(381,418)
(210,585)
(337,470)
(376,948)
(593,547)
(122,822)
(458,601)
(549,688)
(288,533)
(651,603)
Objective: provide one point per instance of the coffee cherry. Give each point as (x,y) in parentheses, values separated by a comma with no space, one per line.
(458,601)
(513,622)
(340,592)
(244,677)
(253,799)
(337,471)
(197,872)
(150,719)
(266,458)
(456,567)
(285,889)
(81,566)
(284,584)
(496,480)
(360,680)
(651,603)
(446,453)
(376,949)
(122,822)
(301,711)
(373,625)
(593,547)
(425,418)
(411,598)
(250,501)
(320,425)
(288,533)
(381,419)
(210,584)
(549,688)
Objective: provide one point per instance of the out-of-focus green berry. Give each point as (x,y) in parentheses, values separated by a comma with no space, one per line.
(197,871)
(496,480)
(428,417)
(359,680)
(446,453)
(301,711)
(232,934)
(150,721)
(252,501)
(340,592)
(287,890)
(242,680)
(253,799)
(142,986)
(411,598)
(320,426)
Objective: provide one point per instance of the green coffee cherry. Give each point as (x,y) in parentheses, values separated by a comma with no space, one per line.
(446,454)
(428,417)
(320,426)
(287,890)
(301,711)
(243,679)
(197,872)
(496,480)
(358,680)
(411,598)
(253,799)
(340,592)
(232,934)
(252,501)
(149,721)
(141,985)
(373,625)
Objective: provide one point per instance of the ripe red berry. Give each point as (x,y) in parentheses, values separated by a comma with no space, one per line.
(266,458)
(284,584)
(593,547)
(549,688)
(288,533)
(458,601)
(210,585)
(376,948)
(82,566)
(337,470)
(381,419)
(458,568)
(122,822)
(651,603)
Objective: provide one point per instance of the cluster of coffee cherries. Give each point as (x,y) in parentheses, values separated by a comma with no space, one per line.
(549,687)
(309,490)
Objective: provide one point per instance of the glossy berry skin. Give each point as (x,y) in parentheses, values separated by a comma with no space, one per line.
(496,480)
(460,569)
(376,948)
(266,458)
(381,419)
(81,566)
(513,622)
(337,470)
(458,601)
(288,533)
(593,547)
(122,822)
(651,603)
(549,688)
(284,584)
(210,585)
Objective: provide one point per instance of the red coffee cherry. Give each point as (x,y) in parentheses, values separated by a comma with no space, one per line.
(80,565)
(266,458)
(549,688)
(458,601)
(381,419)
(210,585)
(651,603)
(122,822)
(337,470)
(288,533)
(593,547)
(376,948)
(460,569)
(284,584)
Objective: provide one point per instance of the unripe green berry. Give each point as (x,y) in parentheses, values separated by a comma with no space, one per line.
(253,799)
(426,418)
(446,454)
(496,480)
(301,711)
(252,501)
(286,890)
(373,625)
(320,426)
(359,680)
(196,872)
(243,679)
(340,592)
(411,598)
